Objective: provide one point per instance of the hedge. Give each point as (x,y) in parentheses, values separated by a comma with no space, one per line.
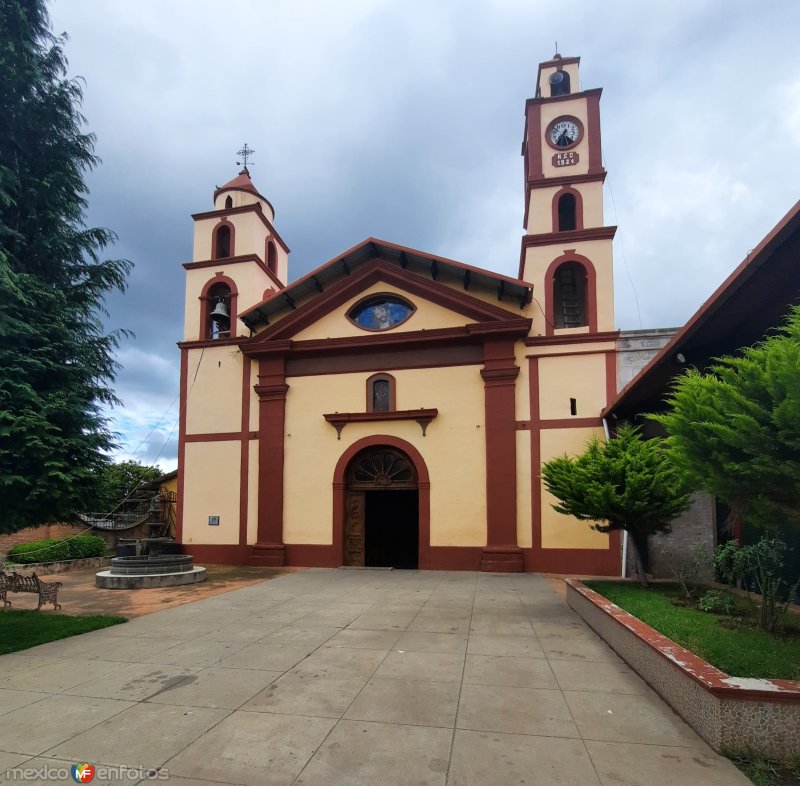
(56,550)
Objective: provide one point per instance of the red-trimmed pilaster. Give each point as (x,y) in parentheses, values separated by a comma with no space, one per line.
(593,122)
(244,457)
(499,374)
(271,389)
(181,444)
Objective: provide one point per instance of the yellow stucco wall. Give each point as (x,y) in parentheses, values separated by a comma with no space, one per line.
(211,488)
(252,493)
(454,449)
(581,377)
(540,209)
(573,108)
(449,319)
(426,317)
(250,280)
(559,531)
(571,69)
(538,259)
(242,198)
(249,235)
(215,396)
(170,485)
(524,530)
(253,396)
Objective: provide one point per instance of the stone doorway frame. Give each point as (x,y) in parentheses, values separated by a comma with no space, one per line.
(423,490)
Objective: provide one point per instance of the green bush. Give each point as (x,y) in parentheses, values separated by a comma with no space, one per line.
(55,550)
(39,551)
(86,546)
(716,602)
(760,565)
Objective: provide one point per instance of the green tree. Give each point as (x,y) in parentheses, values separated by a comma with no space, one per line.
(117,481)
(736,429)
(627,483)
(56,358)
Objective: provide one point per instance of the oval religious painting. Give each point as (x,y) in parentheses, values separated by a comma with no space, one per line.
(381,312)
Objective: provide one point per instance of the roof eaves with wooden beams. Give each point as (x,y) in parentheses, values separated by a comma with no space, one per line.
(391,256)
(754,298)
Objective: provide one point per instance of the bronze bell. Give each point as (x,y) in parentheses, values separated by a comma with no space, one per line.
(220,311)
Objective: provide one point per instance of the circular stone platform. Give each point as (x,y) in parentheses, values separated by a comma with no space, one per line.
(107,579)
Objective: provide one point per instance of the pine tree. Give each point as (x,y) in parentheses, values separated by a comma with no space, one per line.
(56,360)
(627,483)
(736,429)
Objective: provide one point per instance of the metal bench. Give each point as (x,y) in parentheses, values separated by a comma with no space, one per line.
(47,591)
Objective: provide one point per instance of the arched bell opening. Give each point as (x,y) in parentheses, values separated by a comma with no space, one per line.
(382,510)
(217,308)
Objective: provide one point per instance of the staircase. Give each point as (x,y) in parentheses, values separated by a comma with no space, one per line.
(156,509)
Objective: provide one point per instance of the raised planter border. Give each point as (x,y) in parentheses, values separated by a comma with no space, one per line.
(59,566)
(732,714)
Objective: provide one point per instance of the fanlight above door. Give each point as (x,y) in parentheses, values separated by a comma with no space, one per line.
(378,468)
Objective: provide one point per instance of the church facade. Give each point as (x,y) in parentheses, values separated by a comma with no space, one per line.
(393,407)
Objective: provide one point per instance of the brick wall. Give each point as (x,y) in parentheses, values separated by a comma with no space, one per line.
(695,526)
(39,533)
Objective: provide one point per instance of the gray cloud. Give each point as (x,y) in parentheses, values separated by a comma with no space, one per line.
(404,121)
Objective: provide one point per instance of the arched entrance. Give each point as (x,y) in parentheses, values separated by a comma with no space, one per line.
(381,527)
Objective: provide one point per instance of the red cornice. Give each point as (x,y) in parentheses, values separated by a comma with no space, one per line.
(251,192)
(381,271)
(499,376)
(559,61)
(558,423)
(595,91)
(568,237)
(217,342)
(565,180)
(340,419)
(372,342)
(578,338)
(382,244)
(254,208)
(235,261)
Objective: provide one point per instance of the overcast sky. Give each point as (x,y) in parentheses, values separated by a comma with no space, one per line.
(404,121)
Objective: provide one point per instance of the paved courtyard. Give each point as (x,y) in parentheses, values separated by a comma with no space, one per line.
(367,677)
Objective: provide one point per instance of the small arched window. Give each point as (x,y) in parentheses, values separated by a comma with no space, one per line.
(222,241)
(228,202)
(569,296)
(381,393)
(567,212)
(559,83)
(218,312)
(272,257)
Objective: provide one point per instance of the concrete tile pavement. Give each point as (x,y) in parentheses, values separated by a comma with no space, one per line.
(353,677)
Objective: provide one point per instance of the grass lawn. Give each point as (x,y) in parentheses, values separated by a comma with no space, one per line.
(22,629)
(732,644)
(768,773)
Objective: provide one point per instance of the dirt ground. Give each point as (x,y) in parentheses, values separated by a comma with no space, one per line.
(80,596)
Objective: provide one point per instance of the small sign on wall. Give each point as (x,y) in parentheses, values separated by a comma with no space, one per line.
(213,521)
(568,158)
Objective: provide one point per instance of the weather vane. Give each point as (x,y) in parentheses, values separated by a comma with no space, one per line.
(244,154)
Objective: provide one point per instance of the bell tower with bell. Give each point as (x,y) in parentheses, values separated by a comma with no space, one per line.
(239,259)
(566,251)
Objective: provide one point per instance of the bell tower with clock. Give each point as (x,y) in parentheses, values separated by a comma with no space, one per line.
(566,251)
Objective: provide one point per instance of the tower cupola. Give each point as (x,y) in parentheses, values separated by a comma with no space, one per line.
(241,191)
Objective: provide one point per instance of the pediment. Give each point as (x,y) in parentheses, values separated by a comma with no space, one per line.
(435,307)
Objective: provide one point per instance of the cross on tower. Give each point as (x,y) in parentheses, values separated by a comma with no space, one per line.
(244,154)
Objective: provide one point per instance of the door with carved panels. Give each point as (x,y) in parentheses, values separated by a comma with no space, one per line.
(374,469)
(354,529)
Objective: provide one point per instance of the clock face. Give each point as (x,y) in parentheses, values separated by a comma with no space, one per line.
(564,132)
